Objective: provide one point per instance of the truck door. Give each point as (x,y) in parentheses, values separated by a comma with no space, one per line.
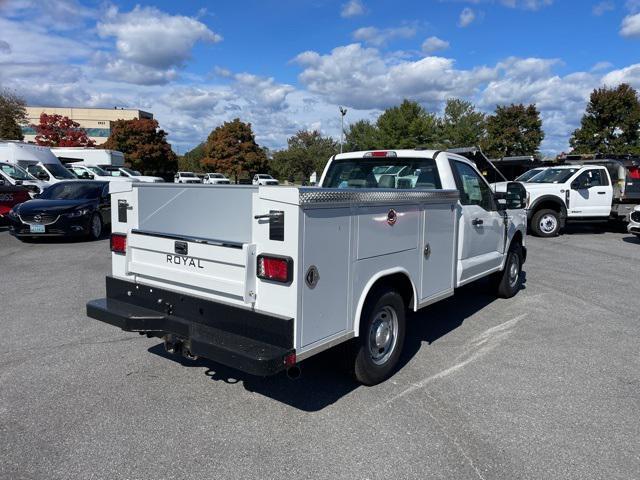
(481,226)
(591,194)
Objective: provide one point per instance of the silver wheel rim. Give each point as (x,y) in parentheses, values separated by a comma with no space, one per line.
(383,335)
(95,226)
(548,223)
(514,270)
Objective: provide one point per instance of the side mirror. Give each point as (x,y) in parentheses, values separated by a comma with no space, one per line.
(512,197)
(18,182)
(42,176)
(2,181)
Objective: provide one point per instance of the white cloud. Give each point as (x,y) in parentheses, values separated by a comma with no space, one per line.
(630,75)
(600,66)
(467,16)
(155,39)
(378,37)
(527,4)
(352,8)
(434,44)
(603,7)
(630,26)
(362,78)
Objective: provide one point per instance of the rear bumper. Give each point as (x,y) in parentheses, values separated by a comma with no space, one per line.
(241,338)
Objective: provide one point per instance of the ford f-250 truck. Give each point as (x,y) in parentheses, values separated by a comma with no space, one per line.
(259,277)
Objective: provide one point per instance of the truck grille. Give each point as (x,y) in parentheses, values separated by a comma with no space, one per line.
(635,216)
(39,219)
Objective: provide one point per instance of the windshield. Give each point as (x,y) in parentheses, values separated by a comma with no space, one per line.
(264,176)
(73,191)
(554,175)
(406,173)
(98,171)
(216,175)
(16,172)
(187,175)
(133,173)
(526,176)
(59,171)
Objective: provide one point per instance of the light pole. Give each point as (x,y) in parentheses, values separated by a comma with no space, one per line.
(343,112)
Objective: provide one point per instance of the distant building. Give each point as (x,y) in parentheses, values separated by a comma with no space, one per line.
(96,121)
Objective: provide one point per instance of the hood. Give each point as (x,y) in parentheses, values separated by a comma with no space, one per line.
(542,186)
(53,206)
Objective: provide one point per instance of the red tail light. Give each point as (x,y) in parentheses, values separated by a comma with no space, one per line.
(118,243)
(634,172)
(275,268)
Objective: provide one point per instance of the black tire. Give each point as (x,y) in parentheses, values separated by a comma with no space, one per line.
(382,323)
(546,223)
(95,234)
(509,281)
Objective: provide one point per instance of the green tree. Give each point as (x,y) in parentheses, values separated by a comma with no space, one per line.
(462,125)
(306,152)
(192,160)
(408,125)
(361,135)
(611,123)
(513,130)
(144,146)
(231,148)
(12,114)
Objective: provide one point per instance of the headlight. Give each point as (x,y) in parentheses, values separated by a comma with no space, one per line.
(78,213)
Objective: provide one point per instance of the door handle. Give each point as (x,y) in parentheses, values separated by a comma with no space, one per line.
(476,222)
(601,193)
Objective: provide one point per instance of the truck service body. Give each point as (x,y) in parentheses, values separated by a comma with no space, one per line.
(262,277)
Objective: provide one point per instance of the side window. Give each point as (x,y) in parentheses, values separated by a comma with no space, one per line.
(591,178)
(473,189)
(37,171)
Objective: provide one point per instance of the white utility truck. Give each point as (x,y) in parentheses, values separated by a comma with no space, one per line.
(259,278)
(186,177)
(572,193)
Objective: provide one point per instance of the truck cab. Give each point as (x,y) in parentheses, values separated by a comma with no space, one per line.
(301,269)
(568,193)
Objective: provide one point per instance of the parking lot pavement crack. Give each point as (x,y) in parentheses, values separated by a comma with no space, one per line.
(77,343)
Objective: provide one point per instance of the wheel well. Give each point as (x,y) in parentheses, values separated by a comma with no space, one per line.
(399,282)
(548,204)
(517,238)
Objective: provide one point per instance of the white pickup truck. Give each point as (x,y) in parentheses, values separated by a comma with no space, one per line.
(572,193)
(259,278)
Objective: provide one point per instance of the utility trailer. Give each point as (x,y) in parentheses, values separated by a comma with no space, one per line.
(261,277)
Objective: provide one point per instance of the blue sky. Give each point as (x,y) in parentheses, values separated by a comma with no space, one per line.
(286,65)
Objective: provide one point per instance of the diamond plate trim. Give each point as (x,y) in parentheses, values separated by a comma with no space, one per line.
(324,196)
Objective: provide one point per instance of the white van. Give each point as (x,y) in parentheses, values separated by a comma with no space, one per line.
(15,175)
(37,160)
(89,156)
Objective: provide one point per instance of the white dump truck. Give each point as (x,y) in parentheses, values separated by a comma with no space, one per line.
(259,278)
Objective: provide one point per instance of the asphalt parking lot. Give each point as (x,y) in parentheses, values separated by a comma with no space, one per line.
(544,385)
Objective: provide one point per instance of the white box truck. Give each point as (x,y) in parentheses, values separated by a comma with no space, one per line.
(259,278)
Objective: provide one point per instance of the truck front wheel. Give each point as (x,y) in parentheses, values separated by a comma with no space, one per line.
(382,332)
(546,223)
(509,281)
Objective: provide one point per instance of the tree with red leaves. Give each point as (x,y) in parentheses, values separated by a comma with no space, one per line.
(60,131)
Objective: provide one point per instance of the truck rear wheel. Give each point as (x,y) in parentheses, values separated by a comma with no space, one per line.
(546,223)
(382,332)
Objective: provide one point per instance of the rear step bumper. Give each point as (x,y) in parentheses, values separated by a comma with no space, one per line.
(241,338)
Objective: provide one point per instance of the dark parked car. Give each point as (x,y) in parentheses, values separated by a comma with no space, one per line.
(73,208)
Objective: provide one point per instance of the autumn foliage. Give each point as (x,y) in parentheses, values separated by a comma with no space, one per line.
(60,131)
(232,149)
(144,145)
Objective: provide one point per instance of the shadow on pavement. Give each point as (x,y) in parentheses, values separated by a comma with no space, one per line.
(324,379)
(632,239)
